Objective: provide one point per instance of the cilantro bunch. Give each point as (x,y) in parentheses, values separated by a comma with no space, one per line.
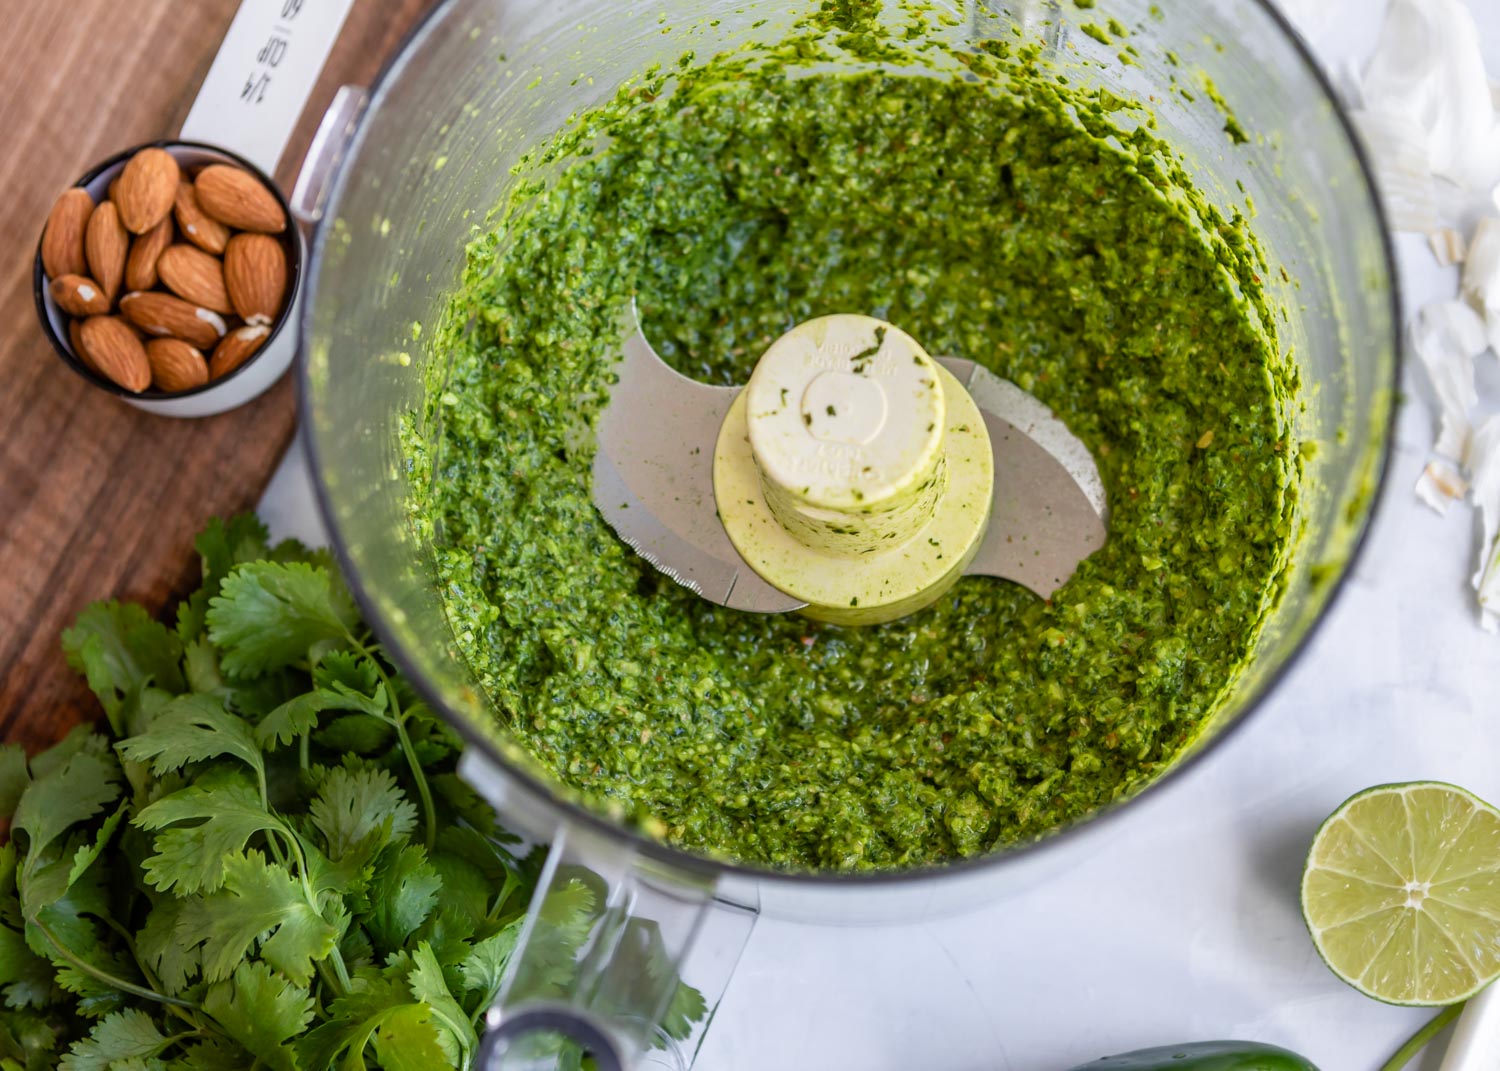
(269,860)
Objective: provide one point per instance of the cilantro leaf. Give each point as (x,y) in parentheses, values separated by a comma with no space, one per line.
(262,1011)
(27,1041)
(192,728)
(13,777)
(354,671)
(357,734)
(409,1039)
(294,550)
(570,908)
(298,716)
(466,891)
(169,957)
(200,664)
(141,708)
(258,902)
(96,997)
(213,1054)
(403,892)
(686,1008)
(122,1036)
(376,704)
(228,810)
(192,617)
(359,804)
(468,804)
(25,976)
(485,965)
(224,544)
(356,949)
(428,986)
(341,883)
(87,853)
(352,1021)
(481,852)
(641,981)
(269,615)
(120,648)
(81,738)
(66,913)
(63,797)
(563,921)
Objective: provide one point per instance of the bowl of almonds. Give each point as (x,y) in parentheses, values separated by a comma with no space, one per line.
(168,275)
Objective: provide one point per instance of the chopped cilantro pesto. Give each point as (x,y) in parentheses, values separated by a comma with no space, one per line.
(994,218)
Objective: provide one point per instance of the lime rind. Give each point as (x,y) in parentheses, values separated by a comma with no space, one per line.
(1401,893)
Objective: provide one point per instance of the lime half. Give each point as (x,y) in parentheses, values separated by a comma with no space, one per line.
(1402,893)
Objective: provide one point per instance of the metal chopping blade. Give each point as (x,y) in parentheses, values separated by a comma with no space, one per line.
(654,479)
(653,483)
(1050,511)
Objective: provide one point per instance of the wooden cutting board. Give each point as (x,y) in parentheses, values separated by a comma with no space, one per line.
(99,500)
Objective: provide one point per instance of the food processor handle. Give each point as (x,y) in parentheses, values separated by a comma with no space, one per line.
(622,956)
(1476,1038)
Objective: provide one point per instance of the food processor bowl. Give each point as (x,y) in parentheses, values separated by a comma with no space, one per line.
(416,168)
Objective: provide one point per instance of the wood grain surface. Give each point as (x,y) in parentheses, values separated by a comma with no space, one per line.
(99,500)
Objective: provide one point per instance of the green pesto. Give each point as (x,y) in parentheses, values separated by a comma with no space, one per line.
(1003,219)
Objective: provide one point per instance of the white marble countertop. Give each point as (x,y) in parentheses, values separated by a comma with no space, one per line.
(1185,926)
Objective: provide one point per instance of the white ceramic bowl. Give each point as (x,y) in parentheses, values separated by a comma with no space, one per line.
(250,379)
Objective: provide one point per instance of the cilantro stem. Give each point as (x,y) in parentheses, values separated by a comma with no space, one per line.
(186,1015)
(1418,1041)
(398,720)
(428,811)
(339,982)
(274,844)
(104,977)
(340,970)
(512,883)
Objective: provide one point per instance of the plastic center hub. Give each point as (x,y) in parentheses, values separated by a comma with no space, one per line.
(854,472)
(843,407)
(845,412)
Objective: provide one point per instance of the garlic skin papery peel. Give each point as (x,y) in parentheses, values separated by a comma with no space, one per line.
(1427,109)
(1430,119)
(1446,336)
(1441,485)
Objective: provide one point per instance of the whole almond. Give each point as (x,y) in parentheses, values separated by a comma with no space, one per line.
(115,353)
(237,348)
(78,295)
(148,187)
(255,273)
(176,366)
(195,276)
(238,199)
(145,250)
(62,241)
(75,339)
(106,244)
(205,232)
(165,316)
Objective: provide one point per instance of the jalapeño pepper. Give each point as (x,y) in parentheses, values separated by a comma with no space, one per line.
(1204,1056)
